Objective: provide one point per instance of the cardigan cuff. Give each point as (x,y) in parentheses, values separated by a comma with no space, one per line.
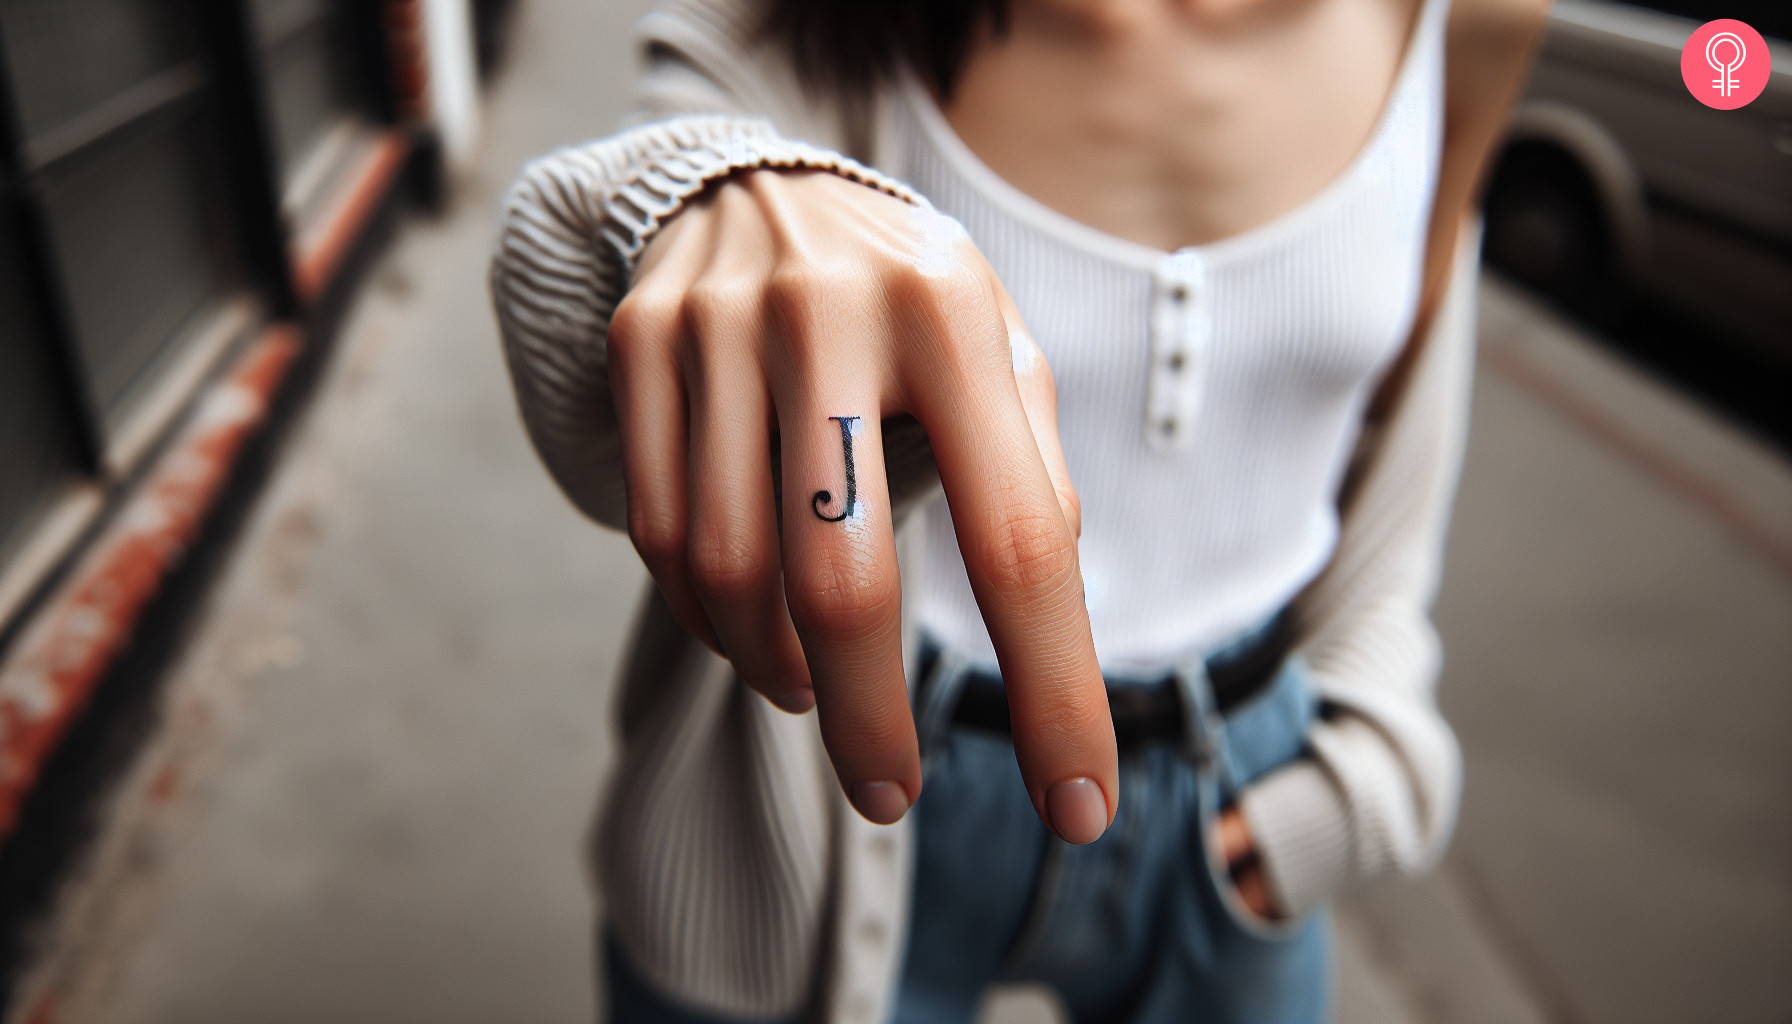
(1301,826)
(689,152)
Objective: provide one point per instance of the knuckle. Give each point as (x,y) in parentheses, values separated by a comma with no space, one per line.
(642,319)
(722,308)
(875,716)
(956,318)
(949,276)
(842,602)
(658,537)
(807,305)
(952,292)
(1026,554)
(799,292)
(727,567)
(1061,719)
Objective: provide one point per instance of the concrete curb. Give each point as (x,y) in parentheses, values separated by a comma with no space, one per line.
(52,669)
(65,651)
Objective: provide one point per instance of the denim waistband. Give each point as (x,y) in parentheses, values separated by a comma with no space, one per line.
(944,677)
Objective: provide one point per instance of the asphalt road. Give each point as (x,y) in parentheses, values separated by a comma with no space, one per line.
(368,797)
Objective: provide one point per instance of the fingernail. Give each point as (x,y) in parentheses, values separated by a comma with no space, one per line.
(882,803)
(1078,810)
(797,701)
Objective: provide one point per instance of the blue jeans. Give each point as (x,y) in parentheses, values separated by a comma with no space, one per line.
(1135,928)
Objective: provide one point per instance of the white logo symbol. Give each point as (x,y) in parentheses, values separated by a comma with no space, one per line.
(1725,83)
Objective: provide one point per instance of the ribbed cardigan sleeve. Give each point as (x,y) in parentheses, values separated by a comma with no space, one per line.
(573,225)
(1378,792)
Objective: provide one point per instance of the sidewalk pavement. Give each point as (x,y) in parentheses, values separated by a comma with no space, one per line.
(378,755)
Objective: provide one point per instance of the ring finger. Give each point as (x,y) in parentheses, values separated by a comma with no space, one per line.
(733,553)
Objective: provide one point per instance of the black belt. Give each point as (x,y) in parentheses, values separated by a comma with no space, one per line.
(1142,712)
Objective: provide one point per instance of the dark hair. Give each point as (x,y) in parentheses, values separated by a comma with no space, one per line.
(857,44)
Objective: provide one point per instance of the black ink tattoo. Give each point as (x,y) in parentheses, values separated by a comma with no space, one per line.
(852,483)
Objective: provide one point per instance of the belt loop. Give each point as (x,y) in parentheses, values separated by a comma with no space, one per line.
(1201,721)
(936,697)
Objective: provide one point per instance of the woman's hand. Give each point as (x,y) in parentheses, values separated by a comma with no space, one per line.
(801,306)
(1243,863)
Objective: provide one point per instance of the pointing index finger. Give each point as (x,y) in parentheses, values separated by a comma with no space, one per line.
(1020,554)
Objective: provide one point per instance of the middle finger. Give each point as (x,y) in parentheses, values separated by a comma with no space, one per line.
(844,593)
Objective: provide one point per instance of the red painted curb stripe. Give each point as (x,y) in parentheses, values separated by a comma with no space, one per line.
(75,638)
(1691,485)
(317,263)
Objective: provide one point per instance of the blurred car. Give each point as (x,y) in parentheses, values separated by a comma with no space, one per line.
(1615,181)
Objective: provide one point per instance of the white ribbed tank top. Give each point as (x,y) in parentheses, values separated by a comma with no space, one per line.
(1208,398)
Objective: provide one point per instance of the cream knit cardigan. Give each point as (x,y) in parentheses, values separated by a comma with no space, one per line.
(735,874)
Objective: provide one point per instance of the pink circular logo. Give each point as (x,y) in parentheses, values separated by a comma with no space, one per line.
(1725,64)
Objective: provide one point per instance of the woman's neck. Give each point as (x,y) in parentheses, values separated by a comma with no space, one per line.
(1178,122)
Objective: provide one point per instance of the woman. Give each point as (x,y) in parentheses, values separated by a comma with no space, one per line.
(882,244)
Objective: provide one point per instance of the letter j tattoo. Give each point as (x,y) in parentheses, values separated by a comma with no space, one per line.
(852,484)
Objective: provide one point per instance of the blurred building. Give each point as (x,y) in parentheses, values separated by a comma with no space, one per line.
(188,189)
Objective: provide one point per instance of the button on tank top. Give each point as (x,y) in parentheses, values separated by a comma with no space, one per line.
(1208,398)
